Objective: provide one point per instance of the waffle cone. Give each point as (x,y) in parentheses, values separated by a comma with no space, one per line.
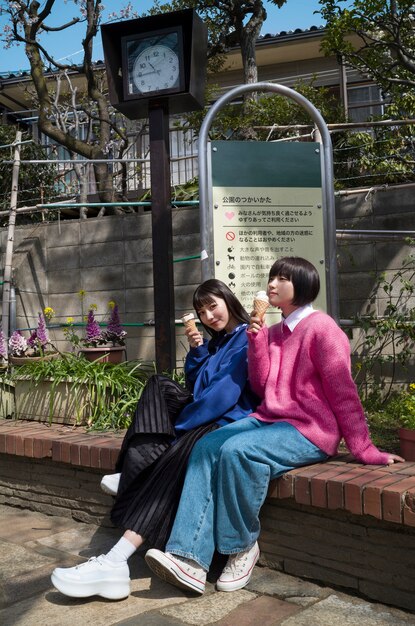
(260,306)
(191,324)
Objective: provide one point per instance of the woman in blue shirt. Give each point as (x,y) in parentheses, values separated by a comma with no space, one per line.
(168,421)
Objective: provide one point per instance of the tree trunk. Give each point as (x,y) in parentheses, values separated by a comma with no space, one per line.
(249,33)
(8,264)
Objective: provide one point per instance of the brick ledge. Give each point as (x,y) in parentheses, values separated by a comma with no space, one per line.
(384,492)
(65,444)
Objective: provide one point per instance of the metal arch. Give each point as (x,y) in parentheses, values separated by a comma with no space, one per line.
(329,215)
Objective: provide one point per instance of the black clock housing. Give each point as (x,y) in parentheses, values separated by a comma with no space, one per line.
(123,42)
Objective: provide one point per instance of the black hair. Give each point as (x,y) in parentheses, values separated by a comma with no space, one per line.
(302,274)
(214,287)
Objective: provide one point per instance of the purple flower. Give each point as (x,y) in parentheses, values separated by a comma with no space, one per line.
(32,341)
(17,344)
(42,333)
(3,346)
(114,332)
(93,334)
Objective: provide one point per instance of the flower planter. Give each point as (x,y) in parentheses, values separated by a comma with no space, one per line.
(7,404)
(67,403)
(104,354)
(407,443)
(23,360)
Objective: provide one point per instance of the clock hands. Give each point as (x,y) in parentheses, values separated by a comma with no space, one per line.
(141,74)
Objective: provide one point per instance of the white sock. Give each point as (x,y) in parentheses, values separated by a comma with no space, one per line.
(122,551)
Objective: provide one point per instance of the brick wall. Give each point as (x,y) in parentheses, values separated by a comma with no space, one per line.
(373,558)
(54,489)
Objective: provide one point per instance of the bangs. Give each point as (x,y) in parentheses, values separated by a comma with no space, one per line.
(201,300)
(283,268)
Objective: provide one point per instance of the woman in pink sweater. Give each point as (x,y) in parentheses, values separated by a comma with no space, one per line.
(300,368)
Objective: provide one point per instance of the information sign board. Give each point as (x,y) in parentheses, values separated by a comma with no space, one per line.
(267,203)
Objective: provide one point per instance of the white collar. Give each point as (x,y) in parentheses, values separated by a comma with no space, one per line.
(299,314)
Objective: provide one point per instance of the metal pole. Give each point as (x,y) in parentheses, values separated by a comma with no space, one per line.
(162,235)
(343,86)
(10,238)
(327,184)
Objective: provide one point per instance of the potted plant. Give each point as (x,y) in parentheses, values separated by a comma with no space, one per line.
(407,419)
(36,347)
(75,391)
(107,345)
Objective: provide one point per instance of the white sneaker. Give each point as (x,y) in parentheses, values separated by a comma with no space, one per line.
(98,576)
(238,570)
(110,484)
(178,571)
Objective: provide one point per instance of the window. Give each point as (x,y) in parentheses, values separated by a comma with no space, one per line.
(364,101)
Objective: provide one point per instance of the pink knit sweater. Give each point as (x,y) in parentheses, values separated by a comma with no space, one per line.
(304,379)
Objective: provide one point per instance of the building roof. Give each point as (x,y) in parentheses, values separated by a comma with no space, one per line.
(283,47)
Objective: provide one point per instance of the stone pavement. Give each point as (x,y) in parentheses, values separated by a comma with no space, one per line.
(32,544)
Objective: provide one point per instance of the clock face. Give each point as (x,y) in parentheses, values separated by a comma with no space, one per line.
(153,63)
(156,68)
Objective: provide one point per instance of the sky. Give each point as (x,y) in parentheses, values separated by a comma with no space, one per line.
(294,14)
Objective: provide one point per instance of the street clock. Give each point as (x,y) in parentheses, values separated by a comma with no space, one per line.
(156,60)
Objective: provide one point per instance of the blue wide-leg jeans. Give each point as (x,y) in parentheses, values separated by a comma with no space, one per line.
(226,484)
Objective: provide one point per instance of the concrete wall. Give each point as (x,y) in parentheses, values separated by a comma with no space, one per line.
(111,258)
(387,210)
(359,262)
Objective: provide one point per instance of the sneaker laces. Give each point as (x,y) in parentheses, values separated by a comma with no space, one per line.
(190,563)
(92,559)
(236,562)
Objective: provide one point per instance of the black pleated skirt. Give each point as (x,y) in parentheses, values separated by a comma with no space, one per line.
(153,462)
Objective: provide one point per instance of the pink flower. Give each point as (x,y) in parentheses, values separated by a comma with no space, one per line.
(17,344)
(3,346)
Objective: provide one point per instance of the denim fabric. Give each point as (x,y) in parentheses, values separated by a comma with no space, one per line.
(227,482)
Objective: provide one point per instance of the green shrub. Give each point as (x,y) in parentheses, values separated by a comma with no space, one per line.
(114,390)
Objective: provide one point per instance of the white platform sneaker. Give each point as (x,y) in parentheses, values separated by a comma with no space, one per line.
(96,577)
(110,484)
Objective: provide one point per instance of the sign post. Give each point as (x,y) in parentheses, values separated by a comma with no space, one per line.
(263,209)
(267,200)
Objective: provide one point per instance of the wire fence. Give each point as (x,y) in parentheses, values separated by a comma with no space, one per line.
(366,155)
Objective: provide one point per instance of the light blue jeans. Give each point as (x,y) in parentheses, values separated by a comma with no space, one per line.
(226,484)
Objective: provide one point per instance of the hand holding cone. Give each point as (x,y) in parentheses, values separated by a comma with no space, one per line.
(189,321)
(261,303)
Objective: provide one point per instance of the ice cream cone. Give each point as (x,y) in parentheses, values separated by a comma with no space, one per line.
(261,303)
(189,321)
(260,307)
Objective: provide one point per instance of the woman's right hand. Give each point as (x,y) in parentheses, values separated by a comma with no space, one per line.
(256,323)
(194,337)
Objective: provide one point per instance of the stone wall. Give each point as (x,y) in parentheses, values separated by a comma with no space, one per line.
(392,209)
(54,489)
(360,553)
(359,262)
(111,258)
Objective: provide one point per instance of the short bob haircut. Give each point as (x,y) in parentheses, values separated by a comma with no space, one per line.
(203,296)
(303,276)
